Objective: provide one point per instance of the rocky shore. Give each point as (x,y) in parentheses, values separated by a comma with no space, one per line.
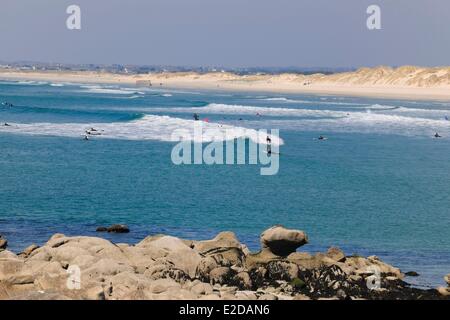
(166,267)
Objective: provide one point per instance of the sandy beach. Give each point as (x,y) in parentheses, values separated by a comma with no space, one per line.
(407,82)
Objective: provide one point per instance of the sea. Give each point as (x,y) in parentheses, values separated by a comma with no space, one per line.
(378,184)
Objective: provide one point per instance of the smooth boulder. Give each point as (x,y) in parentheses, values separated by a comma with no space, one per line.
(281,241)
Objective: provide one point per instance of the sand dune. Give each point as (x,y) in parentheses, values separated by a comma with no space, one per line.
(409,82)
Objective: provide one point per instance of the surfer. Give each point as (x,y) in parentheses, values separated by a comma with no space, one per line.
(196,117)
(321,138)
(437,135)
(7,124)
(269,146)
(86,138)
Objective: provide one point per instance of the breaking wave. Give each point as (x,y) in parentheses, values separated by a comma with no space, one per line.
(150,127)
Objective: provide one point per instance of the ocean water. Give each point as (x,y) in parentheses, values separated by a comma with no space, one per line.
(379,185)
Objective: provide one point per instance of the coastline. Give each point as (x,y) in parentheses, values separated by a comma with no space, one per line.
(372,83)
(170,268)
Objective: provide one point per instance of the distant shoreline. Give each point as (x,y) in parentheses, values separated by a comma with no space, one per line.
(405,83)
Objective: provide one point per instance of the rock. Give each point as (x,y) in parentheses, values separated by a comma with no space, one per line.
(177,254)
(202,289)
(164,267)
(246,295)
(101,229)
(261,258)
(94,293)
(267,296)
(444,291)
(335,254)
(447,279)
(301,297)
(282,270)
(10,267)
(244,280)
(282,241)
(118,228)
(225,246)
(210,297)
(3,243)
(305,261)
(411,274)
(103,268)
(162,285)
(221,275)
(40,295)
(28,250)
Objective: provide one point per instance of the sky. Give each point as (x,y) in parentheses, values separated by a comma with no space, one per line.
(228,33)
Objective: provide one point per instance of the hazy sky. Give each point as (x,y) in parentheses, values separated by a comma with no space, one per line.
(232,33)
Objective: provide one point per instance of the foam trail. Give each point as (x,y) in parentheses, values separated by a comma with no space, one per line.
(150,127)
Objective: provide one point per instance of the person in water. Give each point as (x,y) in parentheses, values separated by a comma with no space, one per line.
(196,117)
(7,124)
(269,146)
(437,135)
(86,138)
(321,137)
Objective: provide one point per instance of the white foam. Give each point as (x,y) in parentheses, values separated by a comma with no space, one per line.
(287,100)
(108,91)
(150,127)
(217,108)
(364,122)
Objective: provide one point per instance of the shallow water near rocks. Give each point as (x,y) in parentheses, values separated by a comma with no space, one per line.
(377,186)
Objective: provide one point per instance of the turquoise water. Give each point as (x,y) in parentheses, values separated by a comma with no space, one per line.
(379,184)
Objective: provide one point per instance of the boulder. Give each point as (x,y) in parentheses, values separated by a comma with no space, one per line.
(282,270)
(335,254)
(177,254)
(10,267)
(306,261)
(243,280)
(221,275)
(282,241)
(101,229)
(225,245)
(163,285)
(263,257)
(444,291)
(3,243)
(118,228)
(28,250)
(103,268)
(202,289)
